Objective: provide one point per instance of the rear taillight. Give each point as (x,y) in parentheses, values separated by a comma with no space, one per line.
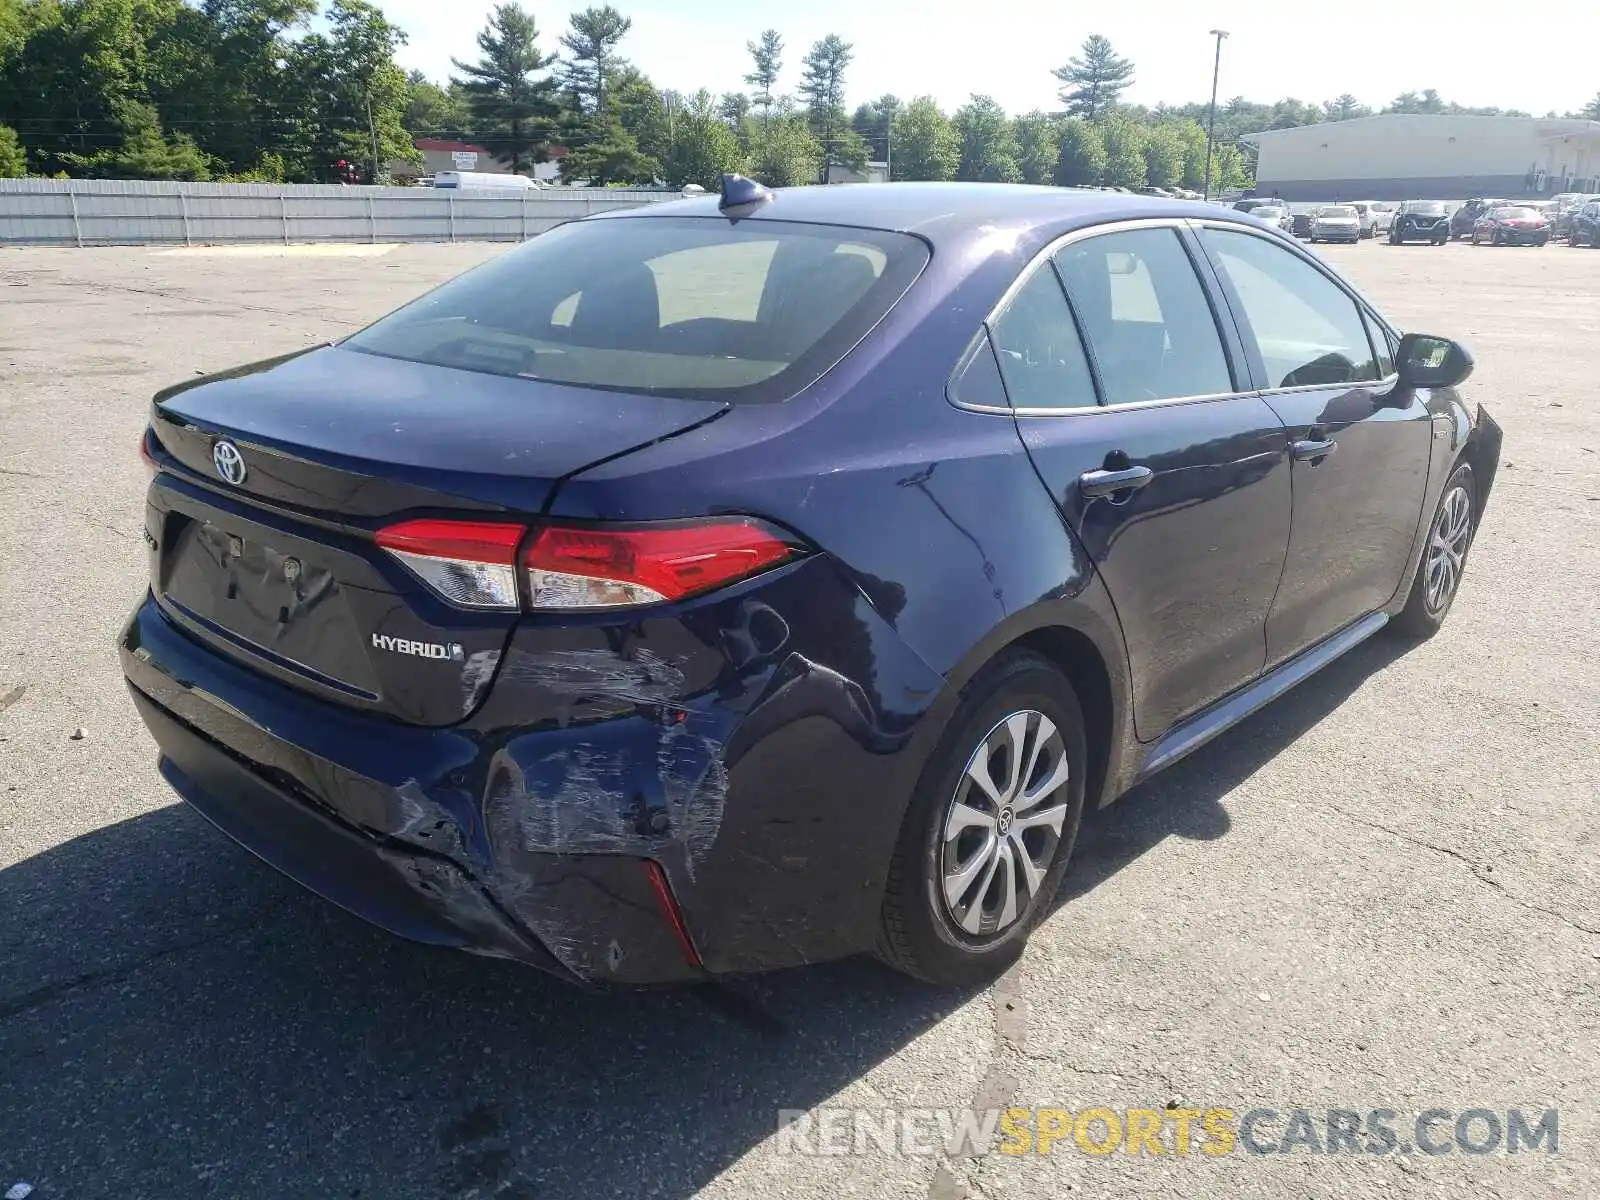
(574,569)
(145,456)
(586,568)
(469,563)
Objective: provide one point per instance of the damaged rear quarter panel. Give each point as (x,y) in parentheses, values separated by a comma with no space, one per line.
(751,743)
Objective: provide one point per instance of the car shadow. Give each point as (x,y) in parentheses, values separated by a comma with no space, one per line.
(176,1019)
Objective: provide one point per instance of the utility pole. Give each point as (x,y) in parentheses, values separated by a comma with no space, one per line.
(888,150)
(1211,124)
(372,129)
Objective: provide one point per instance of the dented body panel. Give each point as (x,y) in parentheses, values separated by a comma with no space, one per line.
(601,746)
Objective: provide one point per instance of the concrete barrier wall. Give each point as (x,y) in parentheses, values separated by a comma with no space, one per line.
(115,212)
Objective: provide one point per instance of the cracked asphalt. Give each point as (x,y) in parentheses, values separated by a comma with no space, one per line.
(1382,892)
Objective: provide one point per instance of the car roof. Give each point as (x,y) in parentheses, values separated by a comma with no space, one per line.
(946,213)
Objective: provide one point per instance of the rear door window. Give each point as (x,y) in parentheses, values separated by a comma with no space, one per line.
(683,306)
(1307,328)
(1145,314)
(1041,356)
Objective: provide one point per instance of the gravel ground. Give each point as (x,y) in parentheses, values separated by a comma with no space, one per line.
(1382,892)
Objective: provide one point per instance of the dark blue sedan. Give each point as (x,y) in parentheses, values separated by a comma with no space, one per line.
(773,577)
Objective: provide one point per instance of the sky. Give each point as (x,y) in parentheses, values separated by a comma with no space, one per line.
(1007,48)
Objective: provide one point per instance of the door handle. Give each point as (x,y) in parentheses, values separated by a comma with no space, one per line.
(1105,483)
(1312,450)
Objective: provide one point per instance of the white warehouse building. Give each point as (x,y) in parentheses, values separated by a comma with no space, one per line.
(1400,156)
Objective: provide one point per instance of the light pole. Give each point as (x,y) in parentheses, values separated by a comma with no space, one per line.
(1211,123)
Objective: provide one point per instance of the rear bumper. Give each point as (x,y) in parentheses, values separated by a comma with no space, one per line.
(764,790)
(416,896)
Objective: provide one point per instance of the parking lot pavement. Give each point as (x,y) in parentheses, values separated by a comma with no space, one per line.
(1381,893)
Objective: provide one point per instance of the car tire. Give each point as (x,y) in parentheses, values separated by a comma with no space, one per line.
(1451,531)
(922,933)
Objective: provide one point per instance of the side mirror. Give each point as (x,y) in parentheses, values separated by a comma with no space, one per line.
(1425,361)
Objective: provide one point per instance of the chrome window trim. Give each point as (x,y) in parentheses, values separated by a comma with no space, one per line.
(1044,258)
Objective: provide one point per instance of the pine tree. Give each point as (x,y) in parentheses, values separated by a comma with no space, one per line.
(822,87)
(592,54)
(1095,81)
(768,56)
(510,93)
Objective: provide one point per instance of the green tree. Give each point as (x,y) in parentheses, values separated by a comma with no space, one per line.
(1193,139)
(13,162)
(433,111)
(1095,81)
(874,121)
(1124,140)
(822,89)
(640,110)
(703,147)
(1164,156)
(1038,146)
(600,148)
(608,154)
(768,57)
(591,47)
(734,107)
(988,147)
(1591,110)
(1411,102)
(926,145)
(509,89)
(1082,158)
(351,97)
(224,77)
(145,152)
(783,151)
(1345,108)
(1229,169)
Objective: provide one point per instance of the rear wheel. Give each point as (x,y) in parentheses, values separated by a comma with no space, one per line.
(1444,558)
(990,827)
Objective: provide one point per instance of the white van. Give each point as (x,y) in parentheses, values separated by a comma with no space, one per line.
(482,180)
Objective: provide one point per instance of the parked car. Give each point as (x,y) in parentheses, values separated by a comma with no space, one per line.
(1568,206)
(1365,216)
(645,642)
(1511,225)
(1421,221)
(1382,216)
(1254,202)
(1300,222)
(1336,223)
(1465,217)
(1584,229)
(1274,215)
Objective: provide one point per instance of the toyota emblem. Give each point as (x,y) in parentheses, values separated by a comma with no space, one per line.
(229,462)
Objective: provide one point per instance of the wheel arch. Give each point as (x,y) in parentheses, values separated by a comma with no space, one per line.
(1082,638)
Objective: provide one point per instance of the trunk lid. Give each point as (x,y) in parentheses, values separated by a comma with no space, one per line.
(278,569)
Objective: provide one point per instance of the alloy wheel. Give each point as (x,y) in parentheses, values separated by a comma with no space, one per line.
(1447,548)
(1003,824)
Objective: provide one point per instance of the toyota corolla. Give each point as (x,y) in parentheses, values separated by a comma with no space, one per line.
(750,580)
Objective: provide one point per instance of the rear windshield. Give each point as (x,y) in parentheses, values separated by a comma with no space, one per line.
(1337,210)
(680,306)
